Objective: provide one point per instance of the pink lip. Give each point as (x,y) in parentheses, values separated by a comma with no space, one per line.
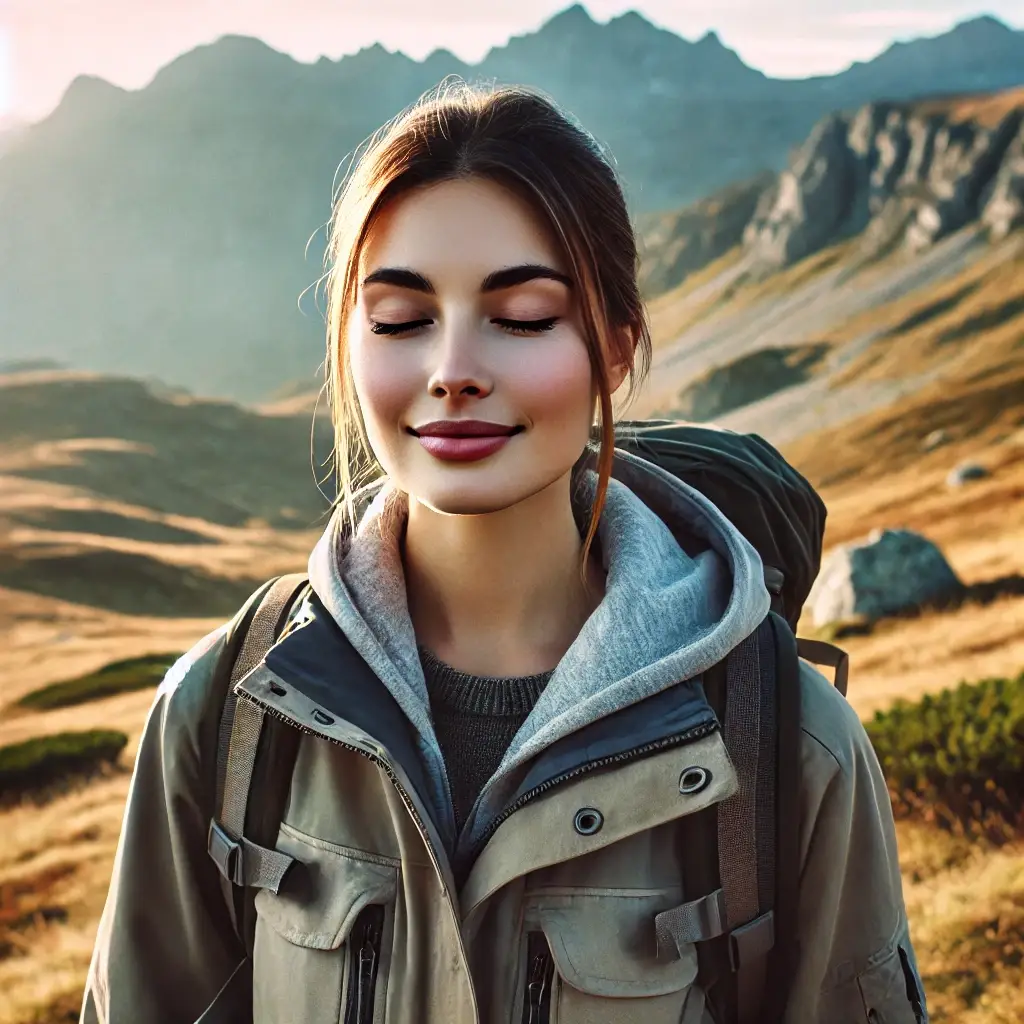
(463,449)
(463,440)
(465,428)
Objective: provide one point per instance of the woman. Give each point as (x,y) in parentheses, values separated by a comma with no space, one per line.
(447,867)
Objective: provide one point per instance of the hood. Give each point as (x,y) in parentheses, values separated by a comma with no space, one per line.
(683,588)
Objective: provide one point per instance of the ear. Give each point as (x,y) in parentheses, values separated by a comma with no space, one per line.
(616,376)
(617,372)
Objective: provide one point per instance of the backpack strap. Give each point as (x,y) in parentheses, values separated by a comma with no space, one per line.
(245,865)
(743,920)
(818,652)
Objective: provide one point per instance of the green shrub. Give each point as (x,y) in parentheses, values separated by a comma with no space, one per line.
(117,677)
(956,758)
(44,760)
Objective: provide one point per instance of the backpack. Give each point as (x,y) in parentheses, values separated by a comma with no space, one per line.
(740,857)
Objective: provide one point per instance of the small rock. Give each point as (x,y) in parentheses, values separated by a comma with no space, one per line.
(892,571)
(936,439)
(966,472)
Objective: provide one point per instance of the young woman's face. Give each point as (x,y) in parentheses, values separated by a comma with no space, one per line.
(466,349)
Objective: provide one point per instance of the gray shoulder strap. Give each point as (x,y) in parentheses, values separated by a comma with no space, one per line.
(241,862)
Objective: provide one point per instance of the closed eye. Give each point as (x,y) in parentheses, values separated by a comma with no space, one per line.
(382,327)
(526,326)
(521,327)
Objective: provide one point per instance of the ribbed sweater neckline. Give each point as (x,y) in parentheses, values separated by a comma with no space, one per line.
(480,695)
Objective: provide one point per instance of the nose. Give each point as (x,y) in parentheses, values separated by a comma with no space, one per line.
(458,370)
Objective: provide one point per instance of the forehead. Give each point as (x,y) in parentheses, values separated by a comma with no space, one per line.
(471,224)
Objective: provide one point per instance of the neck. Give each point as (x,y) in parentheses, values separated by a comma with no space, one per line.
(499,594)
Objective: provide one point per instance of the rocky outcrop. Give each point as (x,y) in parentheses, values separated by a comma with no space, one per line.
(1004,210)
(810,199)
(675,244)
(906,175)
(891,572)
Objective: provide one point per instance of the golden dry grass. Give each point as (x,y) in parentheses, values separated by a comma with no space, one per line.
(987,109)
(971,322)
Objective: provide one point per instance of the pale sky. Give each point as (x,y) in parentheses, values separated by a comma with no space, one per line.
(44,44)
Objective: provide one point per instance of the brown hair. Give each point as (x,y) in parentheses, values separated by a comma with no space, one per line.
(520,139)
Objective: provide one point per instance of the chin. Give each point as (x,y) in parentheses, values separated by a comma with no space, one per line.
(469,501)
(479,498)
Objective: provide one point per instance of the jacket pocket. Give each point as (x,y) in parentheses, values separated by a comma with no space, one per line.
(604,964)
(887,991)
(322,947)
(891,991)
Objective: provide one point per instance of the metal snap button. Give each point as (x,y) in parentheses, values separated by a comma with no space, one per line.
(588,820)
(693,780)
(323,719)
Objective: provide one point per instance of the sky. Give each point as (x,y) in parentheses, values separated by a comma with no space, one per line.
(44,44)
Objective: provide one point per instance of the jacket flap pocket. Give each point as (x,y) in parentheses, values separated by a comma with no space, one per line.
(324,891)
(890,990)
(605,944)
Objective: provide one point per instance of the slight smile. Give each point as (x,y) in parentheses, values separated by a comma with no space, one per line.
(463,440)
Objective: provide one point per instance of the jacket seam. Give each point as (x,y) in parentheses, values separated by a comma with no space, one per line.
(348,852)
(824,746)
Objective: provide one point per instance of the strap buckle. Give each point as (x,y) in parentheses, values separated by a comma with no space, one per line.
(226,854)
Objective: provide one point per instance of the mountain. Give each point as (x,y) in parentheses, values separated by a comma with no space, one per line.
(10,129)
(902,175)
(177,231)
(978,55)
(676,243)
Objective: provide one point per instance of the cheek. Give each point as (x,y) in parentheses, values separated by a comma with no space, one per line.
(383,384)
(557,385)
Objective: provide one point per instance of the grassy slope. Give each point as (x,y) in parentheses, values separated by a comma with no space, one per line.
(966,904)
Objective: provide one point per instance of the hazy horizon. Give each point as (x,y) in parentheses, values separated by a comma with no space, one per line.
(45,44)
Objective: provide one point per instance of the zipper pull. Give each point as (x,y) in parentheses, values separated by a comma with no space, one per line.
(537,1004)
(365,953)
(367,969)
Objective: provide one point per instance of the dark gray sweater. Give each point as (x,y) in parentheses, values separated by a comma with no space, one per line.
(475,718)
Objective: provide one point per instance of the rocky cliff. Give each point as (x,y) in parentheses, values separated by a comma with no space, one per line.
(900,174)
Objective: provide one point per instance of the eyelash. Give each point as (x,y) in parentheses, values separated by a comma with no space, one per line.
(518,327)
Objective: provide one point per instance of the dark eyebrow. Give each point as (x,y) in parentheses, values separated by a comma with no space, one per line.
(495,281)
(512,276)
(400,278)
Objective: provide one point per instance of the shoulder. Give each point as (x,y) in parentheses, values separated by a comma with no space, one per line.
(832,733)
(839,768)
(195,664)
(187,706)
(844,792)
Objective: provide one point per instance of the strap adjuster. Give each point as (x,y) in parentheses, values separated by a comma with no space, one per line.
(226,854)
(751,941)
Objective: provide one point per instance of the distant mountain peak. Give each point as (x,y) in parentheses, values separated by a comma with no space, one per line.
(983,22)
(571,18)
(89,89)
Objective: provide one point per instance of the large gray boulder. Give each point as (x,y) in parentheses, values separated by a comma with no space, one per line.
(892,571)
